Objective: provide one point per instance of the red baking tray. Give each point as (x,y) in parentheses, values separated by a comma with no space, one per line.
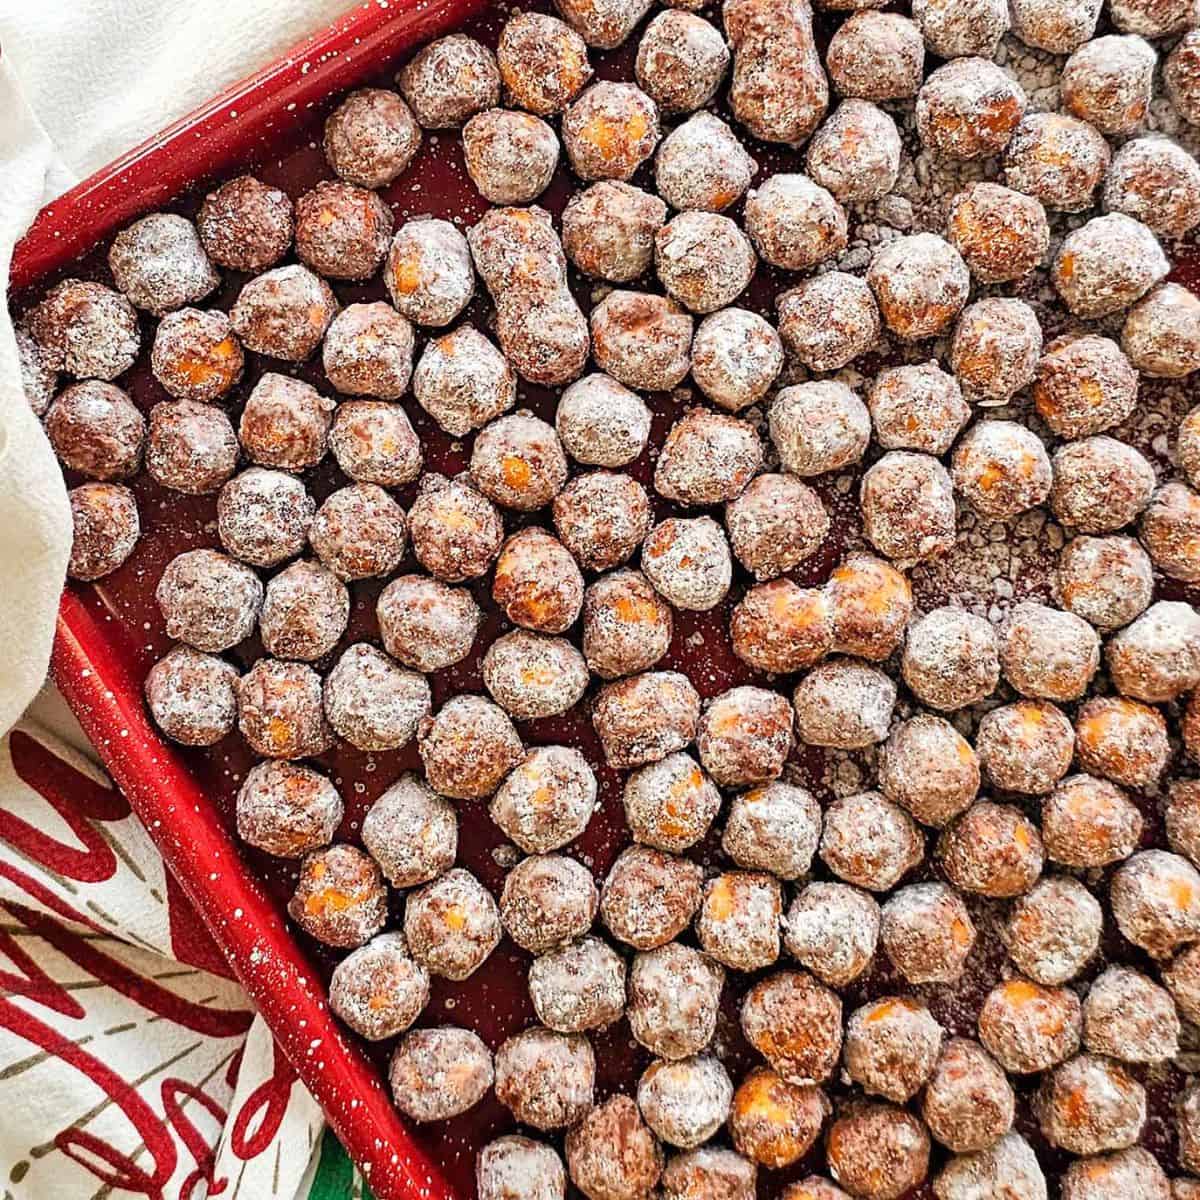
(111,633)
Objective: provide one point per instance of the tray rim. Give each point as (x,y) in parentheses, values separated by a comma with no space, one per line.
(87,663)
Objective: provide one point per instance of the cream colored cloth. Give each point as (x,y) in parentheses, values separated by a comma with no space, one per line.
(81,81)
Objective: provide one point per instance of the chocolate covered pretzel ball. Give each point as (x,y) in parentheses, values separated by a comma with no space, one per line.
(196,355)
(543,62)
(927,933)
(208,600)
(1104,266)
(795,223)
(870,842)
(1129,1017)
(774,828)
(602,518)
(287,809)
(1169,531)
(627,625)
(845,704)
(1161,334)
(510,156)
(548,899)
(378,989)
(304,612)
(669,804)
(468,747)
(426,624)
(340,897)
(1156,181)
(372,702)
(246,225)
(1002,468)
(456,532)
(359,532)
(368,351)
(891,1047)
(190,447)
(537,582)
(612,1155)
(775,524)
(1107,581)
(707,458)
(687,1100)
(681,61)
(546,1079)
(641,340)
(1046,653)
(105,529)
(1090,1105)
(908,507)
(284,313)
(159,264)
(795,1023)
(547,799)
(371,137)
(342,232)
(951,659)
(917,407)
(374,442)
(86,329)
(1108,81)
(969,108)
(992,850)
(878,1151)
(702,165)
(1010,1164)
(928,768)
(429,273)
(578,986)
(452,924)
(1054,929)
(1002,234)
(781,627)
(855,154)
(818,427)
(688,562)
(1122,740)
(450,79)
(609,130)
(674,994)
(1025,747)
(962,28)
(996,347)
(1157,657)
(1028,1027)
(738,922)
(608,230)
(532,676)
(411,832)
(921,284)
(876,56)
(1181,75)
(439,1073)
(1100,484)
(96,430)
(602,423)
(832,929)
(1084,386)
(826,321)
(1056,159)
(279,710)
(192,696)
(775,1122)
(285,423)
(968,1103)
(709,1172)
(1155,899)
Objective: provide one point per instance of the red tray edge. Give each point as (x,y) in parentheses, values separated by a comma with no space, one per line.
(86,661)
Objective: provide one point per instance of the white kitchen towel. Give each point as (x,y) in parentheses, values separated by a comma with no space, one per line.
(81,81)
(122,1070)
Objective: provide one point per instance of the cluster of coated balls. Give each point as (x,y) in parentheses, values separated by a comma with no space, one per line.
(677,751)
